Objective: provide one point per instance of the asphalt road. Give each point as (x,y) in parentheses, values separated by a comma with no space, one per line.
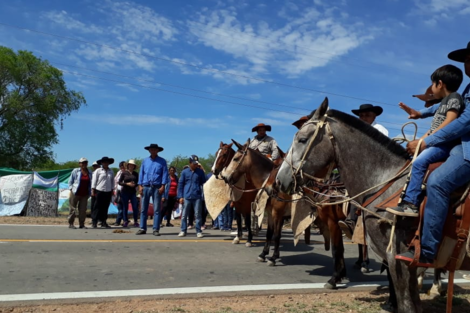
(38,259)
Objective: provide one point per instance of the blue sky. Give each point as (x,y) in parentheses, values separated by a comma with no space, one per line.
(124,54)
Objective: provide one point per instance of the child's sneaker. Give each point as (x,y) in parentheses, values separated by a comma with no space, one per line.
(182,234)
(405,209)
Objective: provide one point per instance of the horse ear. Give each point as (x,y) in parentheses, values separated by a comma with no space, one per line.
(221,144)
(230,145)
(281,153)
(247,143)
(239,146)
(321,110)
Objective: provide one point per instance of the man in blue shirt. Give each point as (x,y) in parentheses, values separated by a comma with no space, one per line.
(454,173)
(153,177)
(190,194)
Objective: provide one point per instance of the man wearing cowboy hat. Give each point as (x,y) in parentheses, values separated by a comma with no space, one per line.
(264,143)
(452,174)
(102,189)
(153,177)
(367,113)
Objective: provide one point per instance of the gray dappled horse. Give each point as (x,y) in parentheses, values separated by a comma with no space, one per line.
(365,159)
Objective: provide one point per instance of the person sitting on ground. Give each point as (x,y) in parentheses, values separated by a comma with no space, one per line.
(446,80)
(190,194)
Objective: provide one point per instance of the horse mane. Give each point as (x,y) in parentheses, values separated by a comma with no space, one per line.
(370,131)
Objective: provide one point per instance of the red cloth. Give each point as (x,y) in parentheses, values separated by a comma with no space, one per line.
(84,185)
(173,187)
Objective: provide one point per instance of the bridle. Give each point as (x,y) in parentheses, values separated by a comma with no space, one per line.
(229,155)
(321,123)
(239,162)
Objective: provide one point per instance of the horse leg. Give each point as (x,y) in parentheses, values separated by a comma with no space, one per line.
(405,282)
(278,220)
(269,235)
(436,289)
(248,227)
(337,253)
(363,260)
(391,305)
(236,240)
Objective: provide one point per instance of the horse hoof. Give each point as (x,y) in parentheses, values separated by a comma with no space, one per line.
(330,286)
(260,259)
(248,244)
(236,241)
(271,263)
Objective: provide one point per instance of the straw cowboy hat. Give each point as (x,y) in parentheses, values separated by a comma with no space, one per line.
(105,159)
(83,160)
(154,145)
(255,129)
(460,54)
(300,121)
(368,108)
(131,162)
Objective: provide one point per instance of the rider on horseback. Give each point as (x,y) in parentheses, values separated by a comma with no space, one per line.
(264,143)
(452,174)
(446,81)
(367,113)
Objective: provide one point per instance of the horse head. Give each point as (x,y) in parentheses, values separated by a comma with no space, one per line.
(239,163)
(310,140)
(223,156)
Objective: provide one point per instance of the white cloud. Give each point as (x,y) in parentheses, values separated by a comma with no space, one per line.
(309,39)
(152,119)
(432,11)
(68,22)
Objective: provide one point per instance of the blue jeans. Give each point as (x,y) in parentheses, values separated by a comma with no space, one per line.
(191,205)
(420,166)
(228,211)
(221,219)
(157,203)
(125,198)
(454,173)
(119,216)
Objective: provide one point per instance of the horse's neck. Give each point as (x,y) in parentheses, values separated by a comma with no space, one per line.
(260,168)
(364,163)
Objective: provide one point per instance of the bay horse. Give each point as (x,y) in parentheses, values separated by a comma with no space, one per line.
(253,164)
(223,157)
(365,158)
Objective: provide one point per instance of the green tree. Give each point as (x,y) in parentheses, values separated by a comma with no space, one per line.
(34,99)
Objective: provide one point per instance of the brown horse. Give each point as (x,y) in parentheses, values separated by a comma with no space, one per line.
(223,157)
(258,168)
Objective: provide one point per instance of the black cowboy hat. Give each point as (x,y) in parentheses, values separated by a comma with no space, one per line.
(460,54)
(154,145)
(103,159)
(368,107)
(268,127)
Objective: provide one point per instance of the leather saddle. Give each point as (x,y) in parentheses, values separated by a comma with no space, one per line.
(456,227)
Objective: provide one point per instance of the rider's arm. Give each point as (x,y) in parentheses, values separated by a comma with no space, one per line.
(454,130)
(428,112)
(274,151)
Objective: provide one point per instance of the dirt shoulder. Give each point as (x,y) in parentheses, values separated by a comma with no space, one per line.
(334,302)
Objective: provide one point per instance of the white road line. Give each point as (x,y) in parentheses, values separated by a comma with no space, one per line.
(189,290)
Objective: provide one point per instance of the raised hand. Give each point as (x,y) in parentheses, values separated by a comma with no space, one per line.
(413,114)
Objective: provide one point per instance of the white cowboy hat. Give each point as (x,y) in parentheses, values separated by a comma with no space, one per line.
(131,162)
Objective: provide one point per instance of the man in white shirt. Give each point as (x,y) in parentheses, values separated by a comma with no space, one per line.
(367,113)
(102,189)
